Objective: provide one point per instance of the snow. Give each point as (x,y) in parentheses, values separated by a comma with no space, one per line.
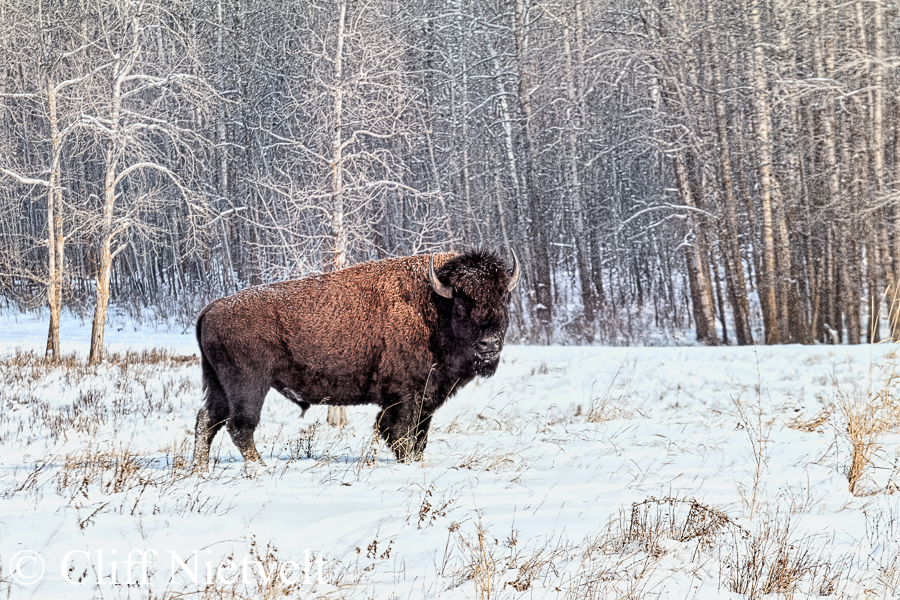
(528,480)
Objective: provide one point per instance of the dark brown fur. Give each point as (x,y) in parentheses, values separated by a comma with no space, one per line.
(375,333)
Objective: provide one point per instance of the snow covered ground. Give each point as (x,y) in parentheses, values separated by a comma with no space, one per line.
(575,472)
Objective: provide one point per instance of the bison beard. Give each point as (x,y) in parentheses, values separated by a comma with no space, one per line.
(405,334)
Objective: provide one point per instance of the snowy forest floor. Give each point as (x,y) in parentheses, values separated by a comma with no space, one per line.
(575,472)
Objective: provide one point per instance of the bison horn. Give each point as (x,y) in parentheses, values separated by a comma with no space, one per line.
(514,277)
(443,290)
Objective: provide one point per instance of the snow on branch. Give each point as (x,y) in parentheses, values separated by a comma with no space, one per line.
(25,180)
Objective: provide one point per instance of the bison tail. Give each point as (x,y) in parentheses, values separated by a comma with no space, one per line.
(197,330)
(212,388)
(214,412)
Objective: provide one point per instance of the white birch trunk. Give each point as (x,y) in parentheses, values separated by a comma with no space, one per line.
(337,415)
(772,304)
(54,227)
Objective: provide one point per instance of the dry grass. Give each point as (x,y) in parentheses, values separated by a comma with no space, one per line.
(770,562)
(106,471)
(36,363)
(773,560)
(624,561)
(82,458)
(811,425)
(491,459)
(306,444)
(615,402)
(428,512)
(368,455)
(535,566)
(127,385)
(882,524)
(681,520)
(752,418)
(484,562)
(271,577)
(867,409)
(888,578)
(495,568)
(267,583)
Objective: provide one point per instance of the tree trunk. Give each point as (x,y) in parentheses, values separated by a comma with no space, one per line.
(769,284)
(737,286)
(873,327)
(701,288)
(862,189)
(878,147)
(789,275)
(824,65)
(850,295)
(540,216)
(831,321)
(54,227)
(105,254)
(719,302)
(894,297)
(101,301)
(338,228)
(582,242)
(512,162)
(337,415)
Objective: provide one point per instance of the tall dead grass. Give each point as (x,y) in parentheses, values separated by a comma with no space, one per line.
(680,519)
(867,409)
(633,557)
(756,421)
(497,568)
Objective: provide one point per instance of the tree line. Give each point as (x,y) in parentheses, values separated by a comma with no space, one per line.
(659,166)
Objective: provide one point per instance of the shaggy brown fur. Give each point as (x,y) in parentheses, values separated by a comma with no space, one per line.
(375,333)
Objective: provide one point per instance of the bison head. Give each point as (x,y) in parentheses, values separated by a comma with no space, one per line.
(475,306)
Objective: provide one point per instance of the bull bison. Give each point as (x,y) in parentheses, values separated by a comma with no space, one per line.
(395,333)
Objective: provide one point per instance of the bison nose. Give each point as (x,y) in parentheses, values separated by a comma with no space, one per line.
(488,345)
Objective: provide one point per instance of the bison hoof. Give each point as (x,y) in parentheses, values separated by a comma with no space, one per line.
(407,458)
(252,468)
(200,467)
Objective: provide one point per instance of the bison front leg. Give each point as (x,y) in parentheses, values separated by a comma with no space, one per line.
(405,430)
(421,438)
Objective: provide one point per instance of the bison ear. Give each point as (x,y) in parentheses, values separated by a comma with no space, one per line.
(442,290)
(514,276)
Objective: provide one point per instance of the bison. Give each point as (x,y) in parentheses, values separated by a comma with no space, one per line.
(396,333)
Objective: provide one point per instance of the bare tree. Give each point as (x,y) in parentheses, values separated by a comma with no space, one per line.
(125,118)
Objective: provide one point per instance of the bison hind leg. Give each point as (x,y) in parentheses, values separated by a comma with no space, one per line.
(210,418)
(206,428)
(243,439)
(246,404)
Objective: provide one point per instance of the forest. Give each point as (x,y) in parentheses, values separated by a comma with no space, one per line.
(663,169)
